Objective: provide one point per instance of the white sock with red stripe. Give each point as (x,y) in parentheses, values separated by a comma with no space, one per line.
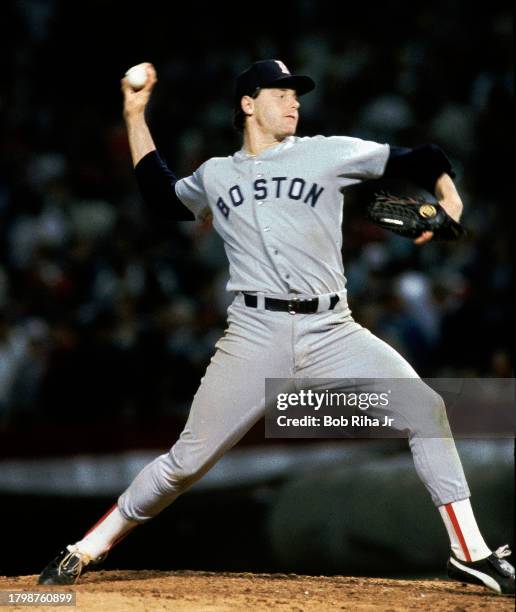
(107,532)
(466,540)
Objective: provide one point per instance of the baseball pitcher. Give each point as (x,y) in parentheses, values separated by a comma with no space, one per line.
(277,204)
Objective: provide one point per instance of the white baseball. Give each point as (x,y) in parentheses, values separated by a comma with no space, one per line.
(137,76)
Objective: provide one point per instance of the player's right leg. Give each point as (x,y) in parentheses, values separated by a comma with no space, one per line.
(349,354)
(229,401)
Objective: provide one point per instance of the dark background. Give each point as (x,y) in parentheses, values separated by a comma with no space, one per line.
(108,316)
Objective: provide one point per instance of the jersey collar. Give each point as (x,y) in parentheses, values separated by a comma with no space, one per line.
(242,155)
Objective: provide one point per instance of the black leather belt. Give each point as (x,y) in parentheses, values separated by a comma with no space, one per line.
(293,306)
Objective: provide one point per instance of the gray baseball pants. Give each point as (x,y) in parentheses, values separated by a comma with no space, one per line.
(260,344)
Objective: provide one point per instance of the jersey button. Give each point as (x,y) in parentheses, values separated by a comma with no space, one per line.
(266,229)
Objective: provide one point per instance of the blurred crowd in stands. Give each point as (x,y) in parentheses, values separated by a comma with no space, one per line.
(106,311)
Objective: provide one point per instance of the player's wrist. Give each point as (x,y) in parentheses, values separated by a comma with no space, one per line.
(453,206)
(135,116)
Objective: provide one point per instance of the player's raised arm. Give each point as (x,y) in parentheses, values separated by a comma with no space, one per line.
(155,181)
(135,102)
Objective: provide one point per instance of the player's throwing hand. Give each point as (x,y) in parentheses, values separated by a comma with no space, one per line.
(135,101)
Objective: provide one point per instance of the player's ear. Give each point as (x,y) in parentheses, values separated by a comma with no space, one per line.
(247,105)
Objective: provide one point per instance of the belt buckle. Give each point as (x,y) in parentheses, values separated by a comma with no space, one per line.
(291,306)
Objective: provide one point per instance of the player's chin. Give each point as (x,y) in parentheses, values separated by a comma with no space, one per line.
(289,128)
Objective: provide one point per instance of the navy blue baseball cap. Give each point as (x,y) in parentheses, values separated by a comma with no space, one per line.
(270,73)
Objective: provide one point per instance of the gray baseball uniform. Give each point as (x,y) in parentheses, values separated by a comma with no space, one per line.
(279,215)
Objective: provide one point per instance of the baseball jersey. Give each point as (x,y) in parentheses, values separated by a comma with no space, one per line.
(280,213)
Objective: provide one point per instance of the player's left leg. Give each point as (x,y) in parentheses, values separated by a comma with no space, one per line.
(230,399)
(348,351)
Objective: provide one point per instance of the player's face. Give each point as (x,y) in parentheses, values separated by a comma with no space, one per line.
(277,111)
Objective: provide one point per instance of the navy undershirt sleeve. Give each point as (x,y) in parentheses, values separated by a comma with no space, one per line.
(422,165)
(156,184)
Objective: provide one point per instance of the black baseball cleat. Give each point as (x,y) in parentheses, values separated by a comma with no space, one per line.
(67,567)
(492,572)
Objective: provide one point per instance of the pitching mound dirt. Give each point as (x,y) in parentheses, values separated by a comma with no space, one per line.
(123,591)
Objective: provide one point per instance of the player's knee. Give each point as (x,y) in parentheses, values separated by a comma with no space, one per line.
(440,412)
(436,403)
(183,470)
(434,420)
